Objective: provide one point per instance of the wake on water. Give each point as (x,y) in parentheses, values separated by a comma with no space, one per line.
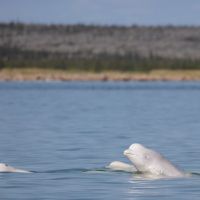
(104,170)
(135,174)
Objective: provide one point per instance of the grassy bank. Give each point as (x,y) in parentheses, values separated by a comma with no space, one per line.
(34,74)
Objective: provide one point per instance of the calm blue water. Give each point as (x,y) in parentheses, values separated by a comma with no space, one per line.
(68,132)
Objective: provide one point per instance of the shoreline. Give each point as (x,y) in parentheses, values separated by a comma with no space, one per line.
(35,74)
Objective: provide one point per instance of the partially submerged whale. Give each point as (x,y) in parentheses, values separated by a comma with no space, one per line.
(121,166)
(6,168)
(150,162)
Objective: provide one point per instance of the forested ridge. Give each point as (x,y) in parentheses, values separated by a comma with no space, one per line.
(98,48)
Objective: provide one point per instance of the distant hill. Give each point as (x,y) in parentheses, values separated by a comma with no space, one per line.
(99,47)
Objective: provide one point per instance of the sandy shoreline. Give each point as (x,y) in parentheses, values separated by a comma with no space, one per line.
(34,74)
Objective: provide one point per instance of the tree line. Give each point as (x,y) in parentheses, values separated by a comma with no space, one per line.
(99,48)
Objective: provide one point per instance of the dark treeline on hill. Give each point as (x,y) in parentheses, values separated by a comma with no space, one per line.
(98,48)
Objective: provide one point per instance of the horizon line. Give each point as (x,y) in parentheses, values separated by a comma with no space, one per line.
(96,24)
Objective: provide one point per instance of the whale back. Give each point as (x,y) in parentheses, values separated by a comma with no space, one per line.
(121,166)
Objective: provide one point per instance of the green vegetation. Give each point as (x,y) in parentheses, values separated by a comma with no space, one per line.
(15,58)
(99,48)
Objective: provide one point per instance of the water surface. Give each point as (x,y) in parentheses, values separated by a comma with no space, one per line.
(68,132)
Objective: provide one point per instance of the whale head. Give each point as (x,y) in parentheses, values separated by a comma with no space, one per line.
(140,156)
(6,168)
(3,166)
(150,161)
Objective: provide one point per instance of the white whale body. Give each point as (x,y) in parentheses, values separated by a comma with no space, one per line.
(149,161)
(121,166)
(6,168)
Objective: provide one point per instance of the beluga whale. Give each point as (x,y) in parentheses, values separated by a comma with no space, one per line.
(7,168)
(148,163)
(121,166)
